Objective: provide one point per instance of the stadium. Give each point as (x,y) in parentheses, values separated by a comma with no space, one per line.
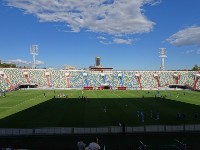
(124,99)
(60,104)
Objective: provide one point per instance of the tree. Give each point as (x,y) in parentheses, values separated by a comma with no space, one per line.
(195,68)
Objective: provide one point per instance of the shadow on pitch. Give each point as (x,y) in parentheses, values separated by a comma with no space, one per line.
(69,112)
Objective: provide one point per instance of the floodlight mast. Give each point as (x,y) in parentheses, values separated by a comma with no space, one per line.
(34,52)
(162,55)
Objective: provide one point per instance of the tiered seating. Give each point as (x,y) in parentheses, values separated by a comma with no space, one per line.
(115,80)
(148,80)
(11,79)
(186,77)
(14,76)
(197,80)
(198,85)
(37,77)
(4,86)
(129,80)
(58,79)
(166,78)
(76,79)
(3,83)
(92,79)
(96,80)
(109,78)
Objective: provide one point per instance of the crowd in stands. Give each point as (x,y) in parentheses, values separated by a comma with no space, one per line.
(198,86)
(78,79)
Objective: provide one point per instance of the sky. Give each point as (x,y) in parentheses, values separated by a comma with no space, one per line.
(126,34)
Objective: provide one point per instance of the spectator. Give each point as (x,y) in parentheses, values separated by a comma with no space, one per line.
(183,116)
(157,116)
(81,145)
(94,145)
(123,128)
(195,116)
(151,113)
(178,116)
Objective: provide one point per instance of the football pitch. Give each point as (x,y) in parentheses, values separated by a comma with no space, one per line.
(64,108)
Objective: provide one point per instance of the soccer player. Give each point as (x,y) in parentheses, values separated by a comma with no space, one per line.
(183,115)
(64,95)
(178,116)
(151,113)
(157,116)
(105,109)
(138,113)
(142,117)
(177,95)
(195,116)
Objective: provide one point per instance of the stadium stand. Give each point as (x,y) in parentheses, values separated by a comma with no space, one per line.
(77,79)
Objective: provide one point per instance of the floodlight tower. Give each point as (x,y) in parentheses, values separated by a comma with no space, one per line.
(162,55)
(34,52)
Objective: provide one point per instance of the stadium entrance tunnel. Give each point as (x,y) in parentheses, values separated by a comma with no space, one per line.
(28,86)
(177,86)
(106,87)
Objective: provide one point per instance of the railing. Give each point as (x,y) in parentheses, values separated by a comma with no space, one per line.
(99,130)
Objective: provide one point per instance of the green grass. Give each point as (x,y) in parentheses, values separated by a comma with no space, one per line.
(29,108)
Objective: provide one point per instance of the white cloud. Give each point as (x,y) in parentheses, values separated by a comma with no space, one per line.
(115,17)
(24,62)
(156,3)
(189,51)
(123,41)
(101,38)
(118,40)
(18,61)
(39,62)
(105,42)
(186,37)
